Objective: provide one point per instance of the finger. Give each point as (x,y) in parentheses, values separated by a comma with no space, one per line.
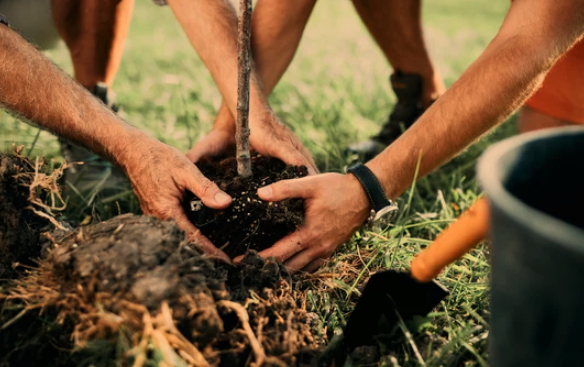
(196,238)
(210,146)
(286,247)
(196,153)
(302,260)
(286,189)
(294,157)
(312,169)
(206,190)
(314,265)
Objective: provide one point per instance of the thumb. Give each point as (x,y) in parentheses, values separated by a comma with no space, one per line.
(207,191)
(286,189)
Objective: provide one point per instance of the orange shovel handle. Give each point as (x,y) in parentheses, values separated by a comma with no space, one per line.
(467,231)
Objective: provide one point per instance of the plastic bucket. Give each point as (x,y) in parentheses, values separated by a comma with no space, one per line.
(535,186)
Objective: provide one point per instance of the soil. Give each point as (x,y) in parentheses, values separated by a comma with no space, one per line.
(249,223)
(123,279)
(19,227)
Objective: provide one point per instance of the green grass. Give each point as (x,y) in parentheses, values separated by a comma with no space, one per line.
(335,92)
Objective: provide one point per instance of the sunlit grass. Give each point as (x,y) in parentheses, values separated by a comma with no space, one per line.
(336,91)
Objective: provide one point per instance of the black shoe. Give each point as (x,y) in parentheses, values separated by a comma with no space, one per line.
(408,89)
(95,174)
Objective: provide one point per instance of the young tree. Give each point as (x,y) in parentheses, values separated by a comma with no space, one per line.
(244,69)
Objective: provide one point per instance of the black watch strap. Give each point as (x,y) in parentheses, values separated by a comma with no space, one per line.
(371,185)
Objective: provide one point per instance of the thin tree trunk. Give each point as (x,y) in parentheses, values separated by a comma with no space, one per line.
(244,69)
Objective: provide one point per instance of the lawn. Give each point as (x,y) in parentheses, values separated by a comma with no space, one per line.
(335,92)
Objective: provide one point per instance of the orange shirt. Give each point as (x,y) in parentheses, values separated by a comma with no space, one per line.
(562,93)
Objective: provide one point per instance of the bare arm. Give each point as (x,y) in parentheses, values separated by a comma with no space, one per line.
(32,87)
(211,26)
(533,36)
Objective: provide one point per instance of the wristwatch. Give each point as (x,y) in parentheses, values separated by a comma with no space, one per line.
(381,206)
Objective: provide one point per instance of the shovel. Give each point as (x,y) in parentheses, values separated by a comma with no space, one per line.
(414,293)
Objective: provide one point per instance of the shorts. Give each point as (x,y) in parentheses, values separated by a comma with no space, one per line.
(562,92)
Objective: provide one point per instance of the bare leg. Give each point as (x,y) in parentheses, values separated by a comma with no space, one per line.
(531,120)
(396,26)
(95,32)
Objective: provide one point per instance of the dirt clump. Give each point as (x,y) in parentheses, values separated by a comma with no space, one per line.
(20,227)
(135,284)
(249,223)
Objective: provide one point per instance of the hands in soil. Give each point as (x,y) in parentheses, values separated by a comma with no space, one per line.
(268,136)
(160,176)
(335,207)
(271,138)
(219,142)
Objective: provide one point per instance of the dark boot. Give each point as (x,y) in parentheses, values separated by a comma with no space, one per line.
(408,89)
(95,174)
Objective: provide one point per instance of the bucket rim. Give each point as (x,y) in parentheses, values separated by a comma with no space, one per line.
(489,175)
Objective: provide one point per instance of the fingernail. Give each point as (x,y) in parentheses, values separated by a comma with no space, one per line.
(222,198)
(265,192)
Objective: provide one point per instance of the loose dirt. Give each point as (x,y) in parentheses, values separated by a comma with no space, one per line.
(19,227)
(249,223)
(135,279)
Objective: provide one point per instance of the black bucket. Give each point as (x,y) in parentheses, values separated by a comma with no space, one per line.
(535,186)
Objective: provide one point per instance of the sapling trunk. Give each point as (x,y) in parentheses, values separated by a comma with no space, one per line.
(244,69)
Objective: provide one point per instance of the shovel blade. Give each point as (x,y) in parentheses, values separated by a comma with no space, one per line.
(385,293)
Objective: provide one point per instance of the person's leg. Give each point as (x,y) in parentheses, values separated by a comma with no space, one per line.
(396,26)
(95,32)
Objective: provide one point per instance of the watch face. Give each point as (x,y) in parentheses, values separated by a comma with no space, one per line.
(385,211)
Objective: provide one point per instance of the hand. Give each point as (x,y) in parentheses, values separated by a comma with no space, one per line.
(270,137)
(160,175)
(219,141)
(335,207)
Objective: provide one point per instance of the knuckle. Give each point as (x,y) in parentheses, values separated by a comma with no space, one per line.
(282,189)
(206,188)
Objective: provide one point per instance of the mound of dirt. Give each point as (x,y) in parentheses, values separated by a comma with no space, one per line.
(134,286)
(19,227)
(249,223)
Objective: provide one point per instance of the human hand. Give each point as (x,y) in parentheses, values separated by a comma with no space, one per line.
(270,137)
(219,141)
(335,207)
(160,176)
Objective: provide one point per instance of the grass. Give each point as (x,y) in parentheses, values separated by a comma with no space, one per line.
(335,92)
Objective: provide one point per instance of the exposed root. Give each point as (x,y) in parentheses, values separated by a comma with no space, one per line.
(164,322)
(135,278)
(48,217)
(241,312)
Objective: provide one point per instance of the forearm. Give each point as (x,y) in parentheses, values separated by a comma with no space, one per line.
(277,29)
(32,87)
(211,26)
(488,92)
